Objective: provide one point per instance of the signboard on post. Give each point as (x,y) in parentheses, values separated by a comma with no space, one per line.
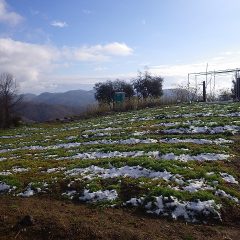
(119,99)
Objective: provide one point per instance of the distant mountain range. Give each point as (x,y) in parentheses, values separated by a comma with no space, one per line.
(50,106)
(74,98)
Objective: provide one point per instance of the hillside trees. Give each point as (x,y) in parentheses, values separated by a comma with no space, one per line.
(8,100)
(104,91)
(147,85)
(122,86)
(144,86)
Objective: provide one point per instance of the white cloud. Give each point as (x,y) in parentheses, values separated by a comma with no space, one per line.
(177,74)
(118,49)
(29,63)
(98,53)
(35,65)
(59,24)
(9,17)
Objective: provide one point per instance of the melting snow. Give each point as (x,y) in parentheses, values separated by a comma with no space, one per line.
(222,193)
(28,193)
(196,185)
(5,173)
(107,195)
(126,171)
(4,187)
(135,202)
(228,178)
(155,154)
(196,141)
(170,206)
(20,169)
(199,157)
(70,194)
(208,130)
(16,136)
(55,170)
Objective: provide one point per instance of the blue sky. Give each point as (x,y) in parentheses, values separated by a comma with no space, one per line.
(60,45)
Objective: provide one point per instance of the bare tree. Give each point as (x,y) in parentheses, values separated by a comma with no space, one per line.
(225,94)
(182,93)
(8,99)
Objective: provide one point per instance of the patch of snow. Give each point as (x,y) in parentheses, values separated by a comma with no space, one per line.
(71,138)
(196,141)
(196,185)
(235,114)
(98,155)
(208,130)
(5,173)
(70,194)
(228,178)
(28,193)
(107,195)
(55,170)
(191,211)
(77,144)
(125,141)
(4,187)
(222,193)
(199,157)
(126,171)
(19,169)
(16,136)
(154,154)
(210,173)
(140,133)
(134,202)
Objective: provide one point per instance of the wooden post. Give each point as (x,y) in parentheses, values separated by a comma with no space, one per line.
(238,89)
(204,92)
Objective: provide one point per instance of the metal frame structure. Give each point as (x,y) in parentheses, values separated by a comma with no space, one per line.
(211,82)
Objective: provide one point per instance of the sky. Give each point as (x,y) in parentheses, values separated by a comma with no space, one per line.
(61,45)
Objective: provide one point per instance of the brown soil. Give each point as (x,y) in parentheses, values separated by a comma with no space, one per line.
(53,219)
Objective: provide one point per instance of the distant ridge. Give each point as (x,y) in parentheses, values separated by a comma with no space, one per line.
(74,98)
(49,106)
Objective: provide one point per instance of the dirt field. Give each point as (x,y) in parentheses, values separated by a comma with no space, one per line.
(61,181)
(52,219)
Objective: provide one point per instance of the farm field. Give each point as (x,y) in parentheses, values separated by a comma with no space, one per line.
(161,172)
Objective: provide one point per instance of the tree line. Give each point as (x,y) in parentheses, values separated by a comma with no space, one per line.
(144,86)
